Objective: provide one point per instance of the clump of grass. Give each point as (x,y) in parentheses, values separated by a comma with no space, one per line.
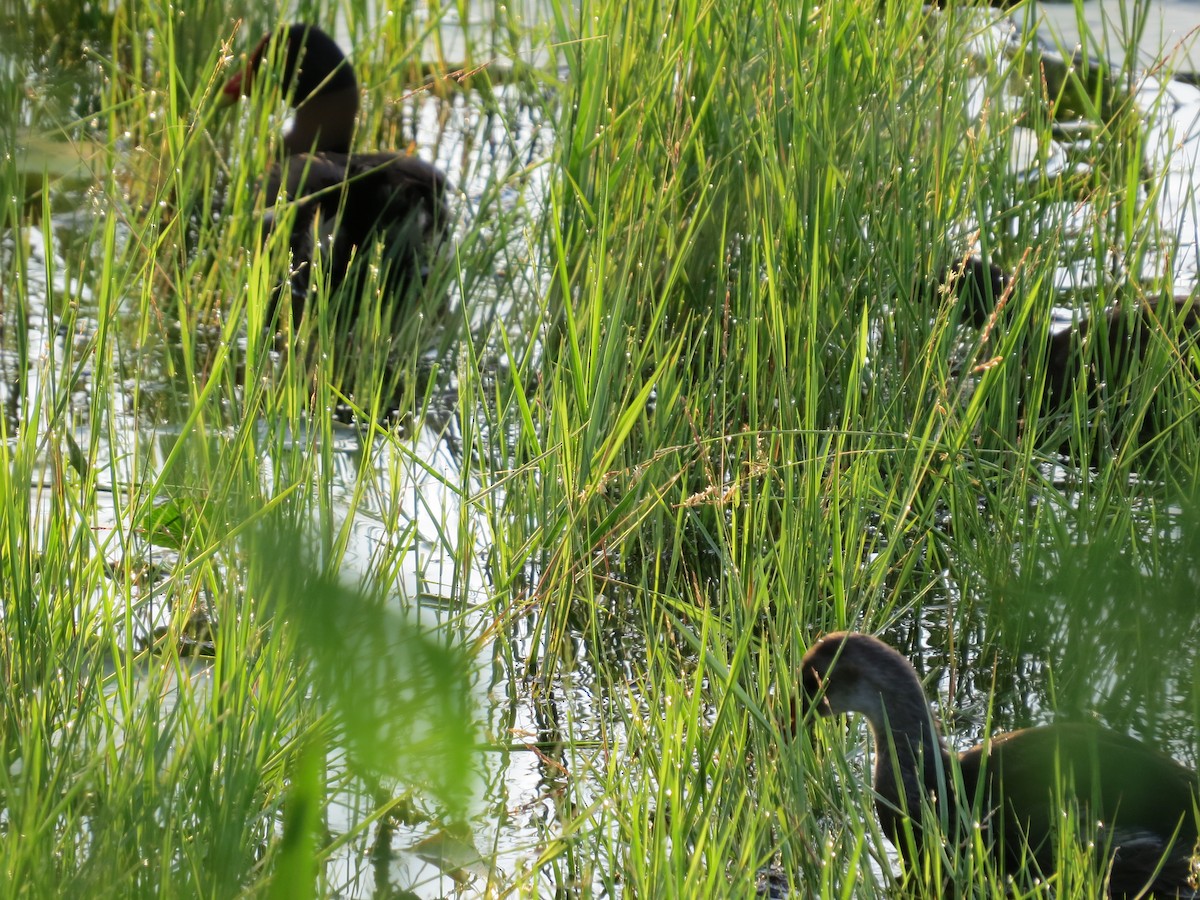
(699,404)
(150,444)
(753,417)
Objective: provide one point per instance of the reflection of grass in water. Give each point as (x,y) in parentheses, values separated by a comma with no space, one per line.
(165,775)
(746,374)
(710,417)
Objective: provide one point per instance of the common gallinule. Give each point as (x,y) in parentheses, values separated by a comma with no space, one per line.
(978,286)
(1013,784)
(391,199)
(1126,336)
(1098,359)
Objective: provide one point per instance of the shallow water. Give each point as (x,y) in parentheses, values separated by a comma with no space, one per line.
(1170,35)
(529,781)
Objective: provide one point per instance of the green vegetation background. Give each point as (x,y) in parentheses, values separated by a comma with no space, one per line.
(707,407)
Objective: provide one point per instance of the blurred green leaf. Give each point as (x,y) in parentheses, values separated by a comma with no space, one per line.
(399,689)
(296,864)
(166,524)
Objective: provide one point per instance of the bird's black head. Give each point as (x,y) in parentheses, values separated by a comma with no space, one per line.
(310,64)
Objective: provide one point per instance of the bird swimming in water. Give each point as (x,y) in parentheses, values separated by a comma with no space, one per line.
(395,200)
(1145,801)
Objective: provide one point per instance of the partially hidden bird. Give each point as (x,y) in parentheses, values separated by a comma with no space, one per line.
(1013,786)
(355,205)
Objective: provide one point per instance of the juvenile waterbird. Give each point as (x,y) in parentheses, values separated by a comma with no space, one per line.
(1142,801)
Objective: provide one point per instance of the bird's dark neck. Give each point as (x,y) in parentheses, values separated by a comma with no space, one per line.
(320,83)
(912,765)
(323,123)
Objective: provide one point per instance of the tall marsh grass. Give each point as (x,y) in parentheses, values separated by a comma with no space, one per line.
(700,403)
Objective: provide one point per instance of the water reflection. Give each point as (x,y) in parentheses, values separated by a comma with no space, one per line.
(1071,625)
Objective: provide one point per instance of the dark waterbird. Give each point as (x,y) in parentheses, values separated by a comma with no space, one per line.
(1142,801)
(1123,339)
(1100,358)
(357,200)
(978,286)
